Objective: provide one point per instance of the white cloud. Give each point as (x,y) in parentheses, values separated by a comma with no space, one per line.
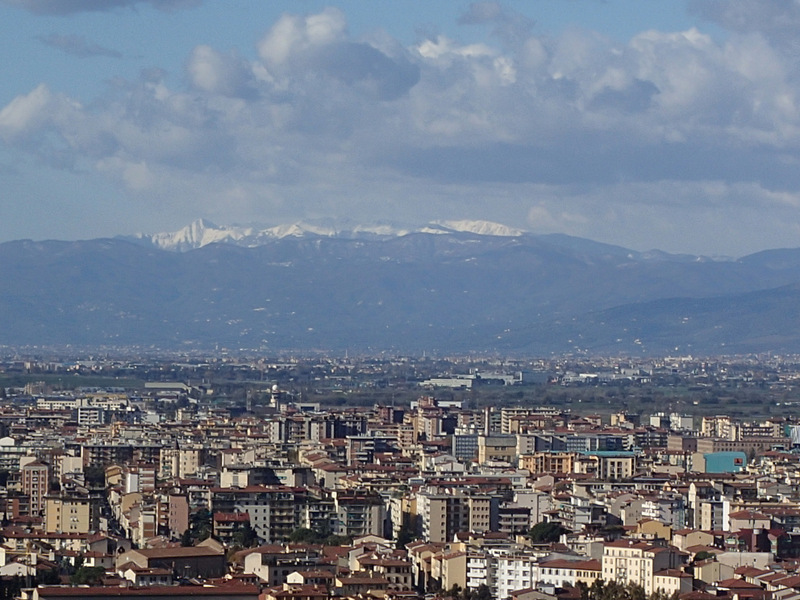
(545,219)
(315,50)
(446,50)
(216,73)
(321,121)
(294,34)
(138,176)
(25,114)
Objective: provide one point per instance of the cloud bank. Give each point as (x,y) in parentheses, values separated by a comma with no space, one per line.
(67,7)
(671,135)
(77,45)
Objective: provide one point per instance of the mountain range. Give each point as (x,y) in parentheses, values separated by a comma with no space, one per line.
(448,287)
(202,233)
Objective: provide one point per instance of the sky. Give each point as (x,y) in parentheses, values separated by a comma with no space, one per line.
(669,124)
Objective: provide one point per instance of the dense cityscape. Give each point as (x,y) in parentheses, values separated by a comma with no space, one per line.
(452,300)
(398,477)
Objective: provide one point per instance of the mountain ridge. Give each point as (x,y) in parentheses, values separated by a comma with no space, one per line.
(203,232)
(460,291)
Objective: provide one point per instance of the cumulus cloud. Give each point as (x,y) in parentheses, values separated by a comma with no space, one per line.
(54,128)
(771,17)
(214,72)
(25,114)
(572,130)
(294,34)
(77,45)
(318,46)
(775,22)
(67,7)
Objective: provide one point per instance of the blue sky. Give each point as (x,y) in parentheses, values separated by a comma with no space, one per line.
(645,123)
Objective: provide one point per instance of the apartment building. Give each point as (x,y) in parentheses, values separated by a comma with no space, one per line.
(70,514)
(34,483)
(631,561)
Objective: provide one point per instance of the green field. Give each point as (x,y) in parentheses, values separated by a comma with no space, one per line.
(69,382)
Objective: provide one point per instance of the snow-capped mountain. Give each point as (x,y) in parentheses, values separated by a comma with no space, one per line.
(480,228)
(195,235)
(202,233)
(461,286)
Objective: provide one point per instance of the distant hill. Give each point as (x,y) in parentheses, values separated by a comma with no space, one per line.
(449,287)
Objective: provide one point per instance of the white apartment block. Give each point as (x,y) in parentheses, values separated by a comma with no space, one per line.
(515,572)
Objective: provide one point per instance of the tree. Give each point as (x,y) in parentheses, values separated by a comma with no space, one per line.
(95,476)
(338,540)
(48,577)
(304,535)
(614,590)
(245,536)
(484,592)
(12,588)
(595,591)
(87,575)
(200,527)
(186,538)
(583,589)
(405,535)
(703,555)
(636,592)
(545,532)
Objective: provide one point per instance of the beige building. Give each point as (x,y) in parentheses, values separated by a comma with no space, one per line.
(672,581)
(548,462)
(712,515)
(653,529)
(607,466)
(395,571)
(445,511)
(686,538)
(711,571)
(629,561)
(719,426)
(189,461)
(479,511)
(748,519)
(560,572)
(501,448)
(453,569)
(68,514)
(746,445)
(424,558)
(437,513)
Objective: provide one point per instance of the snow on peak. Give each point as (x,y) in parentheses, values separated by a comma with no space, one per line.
(298,229)
(202,232)
(481,228)
(196,234)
